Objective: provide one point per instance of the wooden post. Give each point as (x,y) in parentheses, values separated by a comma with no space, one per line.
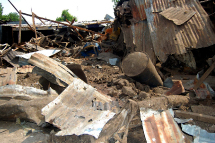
(20,26)
(33,20)
(204,76)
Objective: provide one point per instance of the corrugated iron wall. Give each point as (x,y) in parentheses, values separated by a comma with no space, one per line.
(168,38)
(152,33)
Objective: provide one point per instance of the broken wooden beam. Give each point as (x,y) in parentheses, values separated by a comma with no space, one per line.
(84,29)
(20,26)
(205,75)
(195,116)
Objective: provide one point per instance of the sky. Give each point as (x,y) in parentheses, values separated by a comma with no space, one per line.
(84,10)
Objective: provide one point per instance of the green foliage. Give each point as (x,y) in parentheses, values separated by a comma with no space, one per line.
(115,2)
(1,10)
(12,16)
(66,15)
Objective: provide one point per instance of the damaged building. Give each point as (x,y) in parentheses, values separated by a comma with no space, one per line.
(145,76)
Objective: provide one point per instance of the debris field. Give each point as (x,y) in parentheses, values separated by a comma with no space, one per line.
(145,76)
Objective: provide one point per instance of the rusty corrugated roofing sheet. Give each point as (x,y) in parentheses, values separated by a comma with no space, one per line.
(138,34)
(168,38)
(160,127)
(178,15)
(79,109)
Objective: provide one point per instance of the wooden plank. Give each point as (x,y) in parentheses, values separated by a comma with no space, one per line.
(34,26)
(83,29)
(20,26)
(195,116)
(205,75)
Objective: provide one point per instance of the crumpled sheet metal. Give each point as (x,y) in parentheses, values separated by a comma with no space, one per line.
(73,110)
(160,127)
(44,52)
(178,15)
(137,37)
(50,69)
(200,135)
(168,38)
(22,92)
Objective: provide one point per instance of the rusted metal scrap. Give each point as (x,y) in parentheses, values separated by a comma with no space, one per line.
(160,127)
(178,15)
(165,38)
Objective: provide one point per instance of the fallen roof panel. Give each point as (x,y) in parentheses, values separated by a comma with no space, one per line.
(178,15)
(75,111)
(160,127)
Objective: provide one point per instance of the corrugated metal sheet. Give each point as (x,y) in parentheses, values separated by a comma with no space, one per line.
(22,92)
(178,15)
(8,76)
(52,70)
(168,38)
(137,10)
(160,127)
(137,37)
(75,110)
(10,57)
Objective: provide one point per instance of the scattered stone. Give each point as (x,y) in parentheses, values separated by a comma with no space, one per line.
(144,95)
(123,82)
(115,81)
(146,88)
(128,91)
(212,128)
(158,90)
(140,86)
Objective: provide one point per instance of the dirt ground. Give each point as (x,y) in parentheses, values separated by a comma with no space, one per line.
(108,80)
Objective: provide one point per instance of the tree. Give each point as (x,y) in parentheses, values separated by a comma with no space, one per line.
(1,10)
(66,15)
(115,2)
(12,16)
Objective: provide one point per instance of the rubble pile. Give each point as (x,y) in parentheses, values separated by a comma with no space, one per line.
(133,81)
